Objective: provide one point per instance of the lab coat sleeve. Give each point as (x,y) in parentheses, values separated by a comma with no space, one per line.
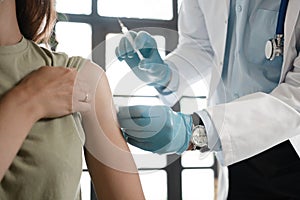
(192,60)
(213,139)
(259,121)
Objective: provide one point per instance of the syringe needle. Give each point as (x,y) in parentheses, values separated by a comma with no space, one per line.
(125,31)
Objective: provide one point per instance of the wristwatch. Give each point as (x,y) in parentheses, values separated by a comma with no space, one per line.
(199,139)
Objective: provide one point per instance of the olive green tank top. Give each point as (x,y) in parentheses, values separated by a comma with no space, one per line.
(49,163)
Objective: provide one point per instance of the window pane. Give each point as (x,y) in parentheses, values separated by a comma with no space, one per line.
(154,9)
(199,88)
(145,159)
(84,166)
(75,39)
(74,6)
(85,183)
(190,105)
(197,159)
(154,184)
(197,184)
(121,79)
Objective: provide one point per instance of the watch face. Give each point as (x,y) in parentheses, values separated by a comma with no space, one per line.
(199,137)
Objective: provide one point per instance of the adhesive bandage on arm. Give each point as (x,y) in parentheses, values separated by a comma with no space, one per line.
(103,139)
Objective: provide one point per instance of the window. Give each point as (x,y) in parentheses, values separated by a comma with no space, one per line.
(154,9)
(193,188)
(72,41)
(76,7)
(92,31)
(154,184)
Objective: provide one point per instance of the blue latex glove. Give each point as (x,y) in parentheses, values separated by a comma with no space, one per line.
(152,69)
(156,128)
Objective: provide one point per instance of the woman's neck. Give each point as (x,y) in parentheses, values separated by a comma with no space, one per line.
(9,32)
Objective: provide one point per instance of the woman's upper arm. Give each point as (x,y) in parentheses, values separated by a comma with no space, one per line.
(108,158)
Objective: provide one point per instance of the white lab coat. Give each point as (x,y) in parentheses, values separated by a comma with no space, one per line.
(255,122)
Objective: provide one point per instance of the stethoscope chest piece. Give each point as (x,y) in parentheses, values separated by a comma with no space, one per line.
(274,47)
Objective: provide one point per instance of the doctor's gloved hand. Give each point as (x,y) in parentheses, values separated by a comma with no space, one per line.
(156,128)
(151,69)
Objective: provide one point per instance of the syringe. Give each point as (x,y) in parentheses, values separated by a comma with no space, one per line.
(125,31)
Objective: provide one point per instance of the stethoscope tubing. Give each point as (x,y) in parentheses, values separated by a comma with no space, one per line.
(281,17)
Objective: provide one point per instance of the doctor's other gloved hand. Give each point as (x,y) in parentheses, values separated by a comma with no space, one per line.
(151,69)
(156,128)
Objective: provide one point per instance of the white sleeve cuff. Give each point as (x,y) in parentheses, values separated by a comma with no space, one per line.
(211,131)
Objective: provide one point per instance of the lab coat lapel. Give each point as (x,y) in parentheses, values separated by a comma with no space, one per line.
(217,30)
(289,28)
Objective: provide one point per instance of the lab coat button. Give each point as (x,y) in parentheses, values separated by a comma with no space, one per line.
(226,21)
(239,8)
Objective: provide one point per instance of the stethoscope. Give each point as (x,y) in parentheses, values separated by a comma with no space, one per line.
(274,46)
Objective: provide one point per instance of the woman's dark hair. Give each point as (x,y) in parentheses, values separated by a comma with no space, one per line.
(36,19)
